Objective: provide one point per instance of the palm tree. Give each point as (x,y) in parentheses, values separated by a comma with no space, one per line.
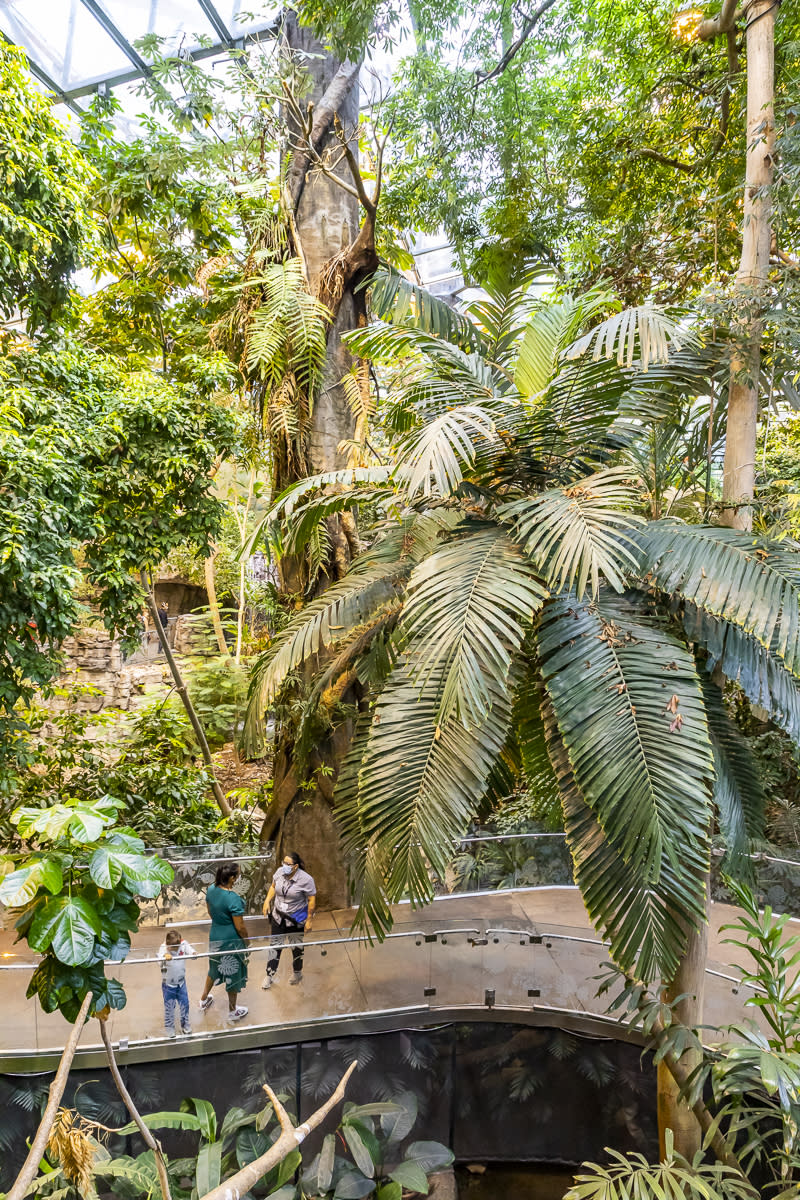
(514,605)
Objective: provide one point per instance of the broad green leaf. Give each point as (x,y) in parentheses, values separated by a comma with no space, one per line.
(398,1125)
(206,1115)
(363,1158)
(20,887)
(288,1166)
(353,1186)
(164,1120)
(390,1191)
(411,1175)
(68,925)
(250,1144)
(209,1167)
(431,1156)
(326,1160)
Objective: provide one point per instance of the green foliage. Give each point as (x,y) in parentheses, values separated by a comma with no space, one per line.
(509,500)
(73,892)
(166,794)
(218,690)
(630,1176)
(44,218)
(369,1155)
(114,466)
(66,755)
(749,1072)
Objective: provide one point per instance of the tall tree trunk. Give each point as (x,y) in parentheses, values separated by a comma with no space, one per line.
(338,252)
(738,485)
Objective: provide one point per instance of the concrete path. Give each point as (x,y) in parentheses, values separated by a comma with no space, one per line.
(448,955)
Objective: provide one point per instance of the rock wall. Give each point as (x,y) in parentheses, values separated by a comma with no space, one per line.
(93,660)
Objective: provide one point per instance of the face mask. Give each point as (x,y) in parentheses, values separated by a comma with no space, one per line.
(287,870)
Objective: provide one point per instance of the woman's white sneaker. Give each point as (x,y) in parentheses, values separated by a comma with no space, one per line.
(237,1013)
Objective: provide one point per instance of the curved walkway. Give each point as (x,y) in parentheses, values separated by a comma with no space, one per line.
(528,955)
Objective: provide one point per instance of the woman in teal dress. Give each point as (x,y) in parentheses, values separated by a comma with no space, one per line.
(228,933)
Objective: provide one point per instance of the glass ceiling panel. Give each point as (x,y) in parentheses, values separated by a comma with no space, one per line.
(63,38)
(244,16)
(170,19)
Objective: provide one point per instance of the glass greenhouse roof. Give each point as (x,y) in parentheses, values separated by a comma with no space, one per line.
(74,46)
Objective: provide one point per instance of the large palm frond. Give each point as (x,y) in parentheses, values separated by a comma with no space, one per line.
(552,326)
(576,534)
(398,300)
(468,608)
(288,331)
(646,931)
(370,479)
(420,780)
(629,708)
(747,581)
(501,315)
(323,623)
(435,458)
(651,329)
(761,675)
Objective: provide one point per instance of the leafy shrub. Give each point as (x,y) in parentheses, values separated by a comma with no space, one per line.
(218,690)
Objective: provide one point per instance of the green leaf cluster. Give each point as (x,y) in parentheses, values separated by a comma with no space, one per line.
(73,893)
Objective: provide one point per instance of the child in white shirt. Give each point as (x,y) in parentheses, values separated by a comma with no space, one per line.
(173,954)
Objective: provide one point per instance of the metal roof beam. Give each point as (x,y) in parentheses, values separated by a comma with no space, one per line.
(61,96)
(116,35)
(220,28)
(86,89)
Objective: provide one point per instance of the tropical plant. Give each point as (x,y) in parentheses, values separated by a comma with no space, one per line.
(746,1086)
(73,893)
(377,1158)
(513,596)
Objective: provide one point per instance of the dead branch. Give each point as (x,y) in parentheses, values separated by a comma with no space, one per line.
(290,1138)
(30,1167)
(516,46)
(127,1100)
(321,119)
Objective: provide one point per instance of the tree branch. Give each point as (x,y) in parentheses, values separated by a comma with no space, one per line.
(30,1167)
(713,26)
(127,1100)
(323,115)
(180,688)
(516,46)
(290,1138)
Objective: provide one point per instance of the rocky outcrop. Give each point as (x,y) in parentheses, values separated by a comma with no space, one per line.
(93,662)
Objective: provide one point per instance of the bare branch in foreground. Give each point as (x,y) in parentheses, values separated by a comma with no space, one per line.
(290,1138)
(30,1168)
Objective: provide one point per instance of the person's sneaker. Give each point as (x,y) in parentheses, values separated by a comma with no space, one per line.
(297,977)
(186,1030)
(204,1004)
(237,1013)
(171,1033)
(267,982)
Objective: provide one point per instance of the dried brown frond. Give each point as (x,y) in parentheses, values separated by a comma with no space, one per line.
(209,269)
(73,1147)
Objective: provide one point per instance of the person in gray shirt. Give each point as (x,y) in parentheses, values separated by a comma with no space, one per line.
(290,905)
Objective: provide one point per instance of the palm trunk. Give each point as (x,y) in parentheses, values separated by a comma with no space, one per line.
(674,1113)
(738,485)
(180,688)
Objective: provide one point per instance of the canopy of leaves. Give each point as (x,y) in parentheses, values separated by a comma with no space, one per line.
(44,199)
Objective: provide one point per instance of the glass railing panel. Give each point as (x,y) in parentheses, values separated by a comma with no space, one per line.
(777,881)
(503,861)
(395,973)
(457,964)
(22,1018)
(195,866)
(511,967)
